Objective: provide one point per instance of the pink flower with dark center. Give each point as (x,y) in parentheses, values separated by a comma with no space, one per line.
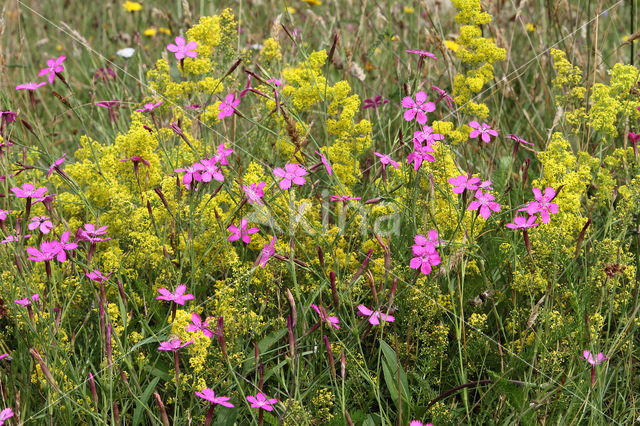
(30,86)
(424,259)
(484,131)
(426,244)
(28,302)
(191,173)
(444,95)
(210,396)
(374,316)
(485,202)
(386,159)
(180,49)
(149,106)
(28,191)
(267,251)
(42,222)
(54,67)
(543,204)
(56,165)
(417,109)
(92,234)
(292,173)
(325,162)
(518,139)
(422,53)
(261,401)
(242,232)
(209,170)
(173,345)
(5,415)
(223,153)
(136,159)
(97,276)
(178,298)
(463,182)
(593,359)
(374,102)
(322,313)
(426,134)
(197,324)
(228,106)
(48,251)
(254,192)
(65,245)
(521,222)
(421,153)
(344,198)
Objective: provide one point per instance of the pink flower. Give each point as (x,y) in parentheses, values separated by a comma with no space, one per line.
(197,324)
(484,130)
(518,139)
(486,184)
(150,106)
(292,173)
(463,182)
(418,108)
(28,191)
(385,160)
(14,238)
(275,81)
(41,222)
(426,134)
(173,345)
(114,103)
(254,192)
(48,251)
(56,165)
(3,356)
(374,316)
(191,173)
(223,153)
(593,359)
(420,154)
(178,298)
(634,137)
(91,233)
(485,203)
(97,276)
(422,53)
(30,86)
(181,49)
(520,222)
(325,162)
(374,102)
(543,204)
(344,198)
(54,66)
(419,423)
(5,414)
(242,232)
(267,251)
(26,301)
(227,107)
(4,214)
(444,95)
(209,170)
(261,401)
(210,396)
(426,244)
(135,160)
(424,258)
(322,313)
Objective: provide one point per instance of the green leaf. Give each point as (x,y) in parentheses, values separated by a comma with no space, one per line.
(142,404)
(392,369)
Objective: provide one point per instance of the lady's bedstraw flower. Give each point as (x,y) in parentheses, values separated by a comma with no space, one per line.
(483,130)
(178,297)
(54,67)
(242,232)
(374,102)
(543,204)
(197,324)
(292,173)
(417,109)
(42,222)
(254,192)
(374,316)
(182,49)
(324,317)
(261,401)
(228,106)
(464,182)
(484,201)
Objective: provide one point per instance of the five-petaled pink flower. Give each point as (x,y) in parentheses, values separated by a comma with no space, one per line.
(518,139)
(261,401)
(97,276)
(521,222)
(4,214)
(386,159)
(136,159)
(92,234)
(42,222)
(209,170)
(254,192)
(267,251)
(374,316)
(54,67)
(173,345)
(223,153)
(56,165)
(191,173)
(210,396)
(228,106)
(483,130)
(422,53)
(322,313)
(26,301)
(180,49)
(344,198)
(485,202)
(149,106)
(242,232)
(29,191)
(178,297)
(30,86)
(419,423)
(425,253)
(5,414)
(50,250)
(543,204)
(444,95)
(197,324)
(325,162)
(292,173)
(374,102)
(463,182)
(417,109)
(634,137)
(593,359)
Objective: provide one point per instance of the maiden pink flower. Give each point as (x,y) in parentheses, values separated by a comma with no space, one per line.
(426,244)
(28,301)
(197,324)
(242,232)
(374,316)
(422,53)
(267,251)
(48,251)
(150,106)
(322,313)
(444,95)
(385,160)
(325,162)
(520,222)
(261,401)
(54,67)
(28,191)
(344,198)
(463,182)
(593,359)
(178,298)
(173,345)
(14,238)
(92,234)
(223,153)
(191,173)
(419,423)
(417,109)
(426,134)
(292,173)
(543,204)
(484,131)
(228,106)
(97,276)
(136,160)
(518,139)
(5,415)
(485,202)
(30,86)
(180,49)
(424,258)
(374,102)
(209,170)
(42,222)
(254,192)
(420,154)
(56,165)
(210,396)
(4,214)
